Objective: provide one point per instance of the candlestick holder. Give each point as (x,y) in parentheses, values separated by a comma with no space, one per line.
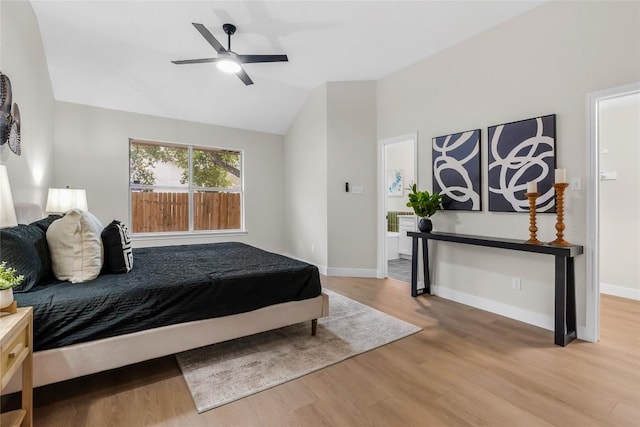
(560,187)
(533,229)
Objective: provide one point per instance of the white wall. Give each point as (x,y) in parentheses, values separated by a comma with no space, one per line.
(544,61)
(92,152)
(351,157)
(305,163)
(22,59)
(619,127)
(400,157)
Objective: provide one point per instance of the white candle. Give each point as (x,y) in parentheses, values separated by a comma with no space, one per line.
(561,176)
(532,187)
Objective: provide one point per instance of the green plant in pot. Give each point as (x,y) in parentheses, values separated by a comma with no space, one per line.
(424,204)
(8,279)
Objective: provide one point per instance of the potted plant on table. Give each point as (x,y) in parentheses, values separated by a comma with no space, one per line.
(8,279)
(424,204)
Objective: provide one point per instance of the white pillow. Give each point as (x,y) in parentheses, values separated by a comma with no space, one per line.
(76,246)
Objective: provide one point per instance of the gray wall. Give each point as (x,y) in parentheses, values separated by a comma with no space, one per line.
(333,141)
(305,160)
(351,157)
(92,152)
(22,59)
(544,61)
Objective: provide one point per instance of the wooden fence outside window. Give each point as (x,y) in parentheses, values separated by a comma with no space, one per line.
(153,212)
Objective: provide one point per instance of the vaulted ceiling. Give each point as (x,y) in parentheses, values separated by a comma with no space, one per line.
(116,54)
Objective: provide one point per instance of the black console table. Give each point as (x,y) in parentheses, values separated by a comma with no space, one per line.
(565,289)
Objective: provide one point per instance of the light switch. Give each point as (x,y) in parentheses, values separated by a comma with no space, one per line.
(357,189)
(575,184)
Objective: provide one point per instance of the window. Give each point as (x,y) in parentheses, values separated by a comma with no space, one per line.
(181,188)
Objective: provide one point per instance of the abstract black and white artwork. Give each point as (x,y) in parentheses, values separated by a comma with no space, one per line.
(456,170)
(520,152)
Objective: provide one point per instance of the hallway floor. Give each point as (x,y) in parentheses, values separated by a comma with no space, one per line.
(399,269)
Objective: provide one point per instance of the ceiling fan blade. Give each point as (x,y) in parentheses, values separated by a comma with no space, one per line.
(195,61)
(242,75)
(209,37)
(248,59)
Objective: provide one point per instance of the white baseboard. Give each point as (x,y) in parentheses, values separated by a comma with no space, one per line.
(321,268)
(531,317)
(619,291)
(340,272)
(352,272)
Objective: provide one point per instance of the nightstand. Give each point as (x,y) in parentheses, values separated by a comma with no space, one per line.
(16,343)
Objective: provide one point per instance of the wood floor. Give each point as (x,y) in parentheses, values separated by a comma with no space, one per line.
(466,368)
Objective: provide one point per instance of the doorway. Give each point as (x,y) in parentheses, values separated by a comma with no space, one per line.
(397,170)
(599,180)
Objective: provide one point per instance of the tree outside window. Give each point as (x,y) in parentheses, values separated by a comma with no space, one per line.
(178,188)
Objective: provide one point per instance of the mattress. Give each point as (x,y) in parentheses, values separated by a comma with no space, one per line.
(167,285)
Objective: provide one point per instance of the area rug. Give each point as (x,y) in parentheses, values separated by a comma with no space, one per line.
(221,373)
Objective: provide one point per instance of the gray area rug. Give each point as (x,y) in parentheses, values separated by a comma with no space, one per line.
(228,371)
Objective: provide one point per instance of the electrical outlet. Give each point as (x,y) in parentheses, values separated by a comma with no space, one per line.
(313,249)
(515,283)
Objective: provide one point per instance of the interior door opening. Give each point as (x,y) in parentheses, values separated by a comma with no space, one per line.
(612,130)
(397,170)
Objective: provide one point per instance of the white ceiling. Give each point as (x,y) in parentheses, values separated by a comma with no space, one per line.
(116,54)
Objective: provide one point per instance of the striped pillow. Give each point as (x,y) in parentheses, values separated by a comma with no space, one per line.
(118,254)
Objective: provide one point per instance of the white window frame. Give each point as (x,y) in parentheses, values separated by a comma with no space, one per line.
(189,189)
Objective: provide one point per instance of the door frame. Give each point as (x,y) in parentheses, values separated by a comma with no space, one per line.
(592,247)
(381,271)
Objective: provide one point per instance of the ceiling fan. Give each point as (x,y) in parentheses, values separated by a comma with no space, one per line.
(227,60)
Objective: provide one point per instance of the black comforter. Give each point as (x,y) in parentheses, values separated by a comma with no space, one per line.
(168,285)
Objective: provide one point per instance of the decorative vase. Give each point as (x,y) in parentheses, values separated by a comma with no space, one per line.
(6,297)
(425,225)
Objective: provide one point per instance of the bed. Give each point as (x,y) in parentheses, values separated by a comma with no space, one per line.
(174,299)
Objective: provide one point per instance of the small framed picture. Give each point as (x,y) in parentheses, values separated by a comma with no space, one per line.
(395,183)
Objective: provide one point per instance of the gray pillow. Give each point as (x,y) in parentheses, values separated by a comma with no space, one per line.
(24,247)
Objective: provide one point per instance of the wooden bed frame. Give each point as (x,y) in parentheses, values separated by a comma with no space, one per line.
(51,366)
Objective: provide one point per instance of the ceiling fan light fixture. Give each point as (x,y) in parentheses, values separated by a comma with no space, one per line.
(227,60)
(228,65)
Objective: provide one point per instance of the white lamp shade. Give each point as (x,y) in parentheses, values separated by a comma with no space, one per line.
(7,211)
(61,200)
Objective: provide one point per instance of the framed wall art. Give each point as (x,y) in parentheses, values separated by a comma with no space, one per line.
(9,118)
(520,152)
(395,183)
(456,170)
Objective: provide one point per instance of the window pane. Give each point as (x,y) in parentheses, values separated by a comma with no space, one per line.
(216,169)
(155,211)
(215,210)
(177,188)
(158,165)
